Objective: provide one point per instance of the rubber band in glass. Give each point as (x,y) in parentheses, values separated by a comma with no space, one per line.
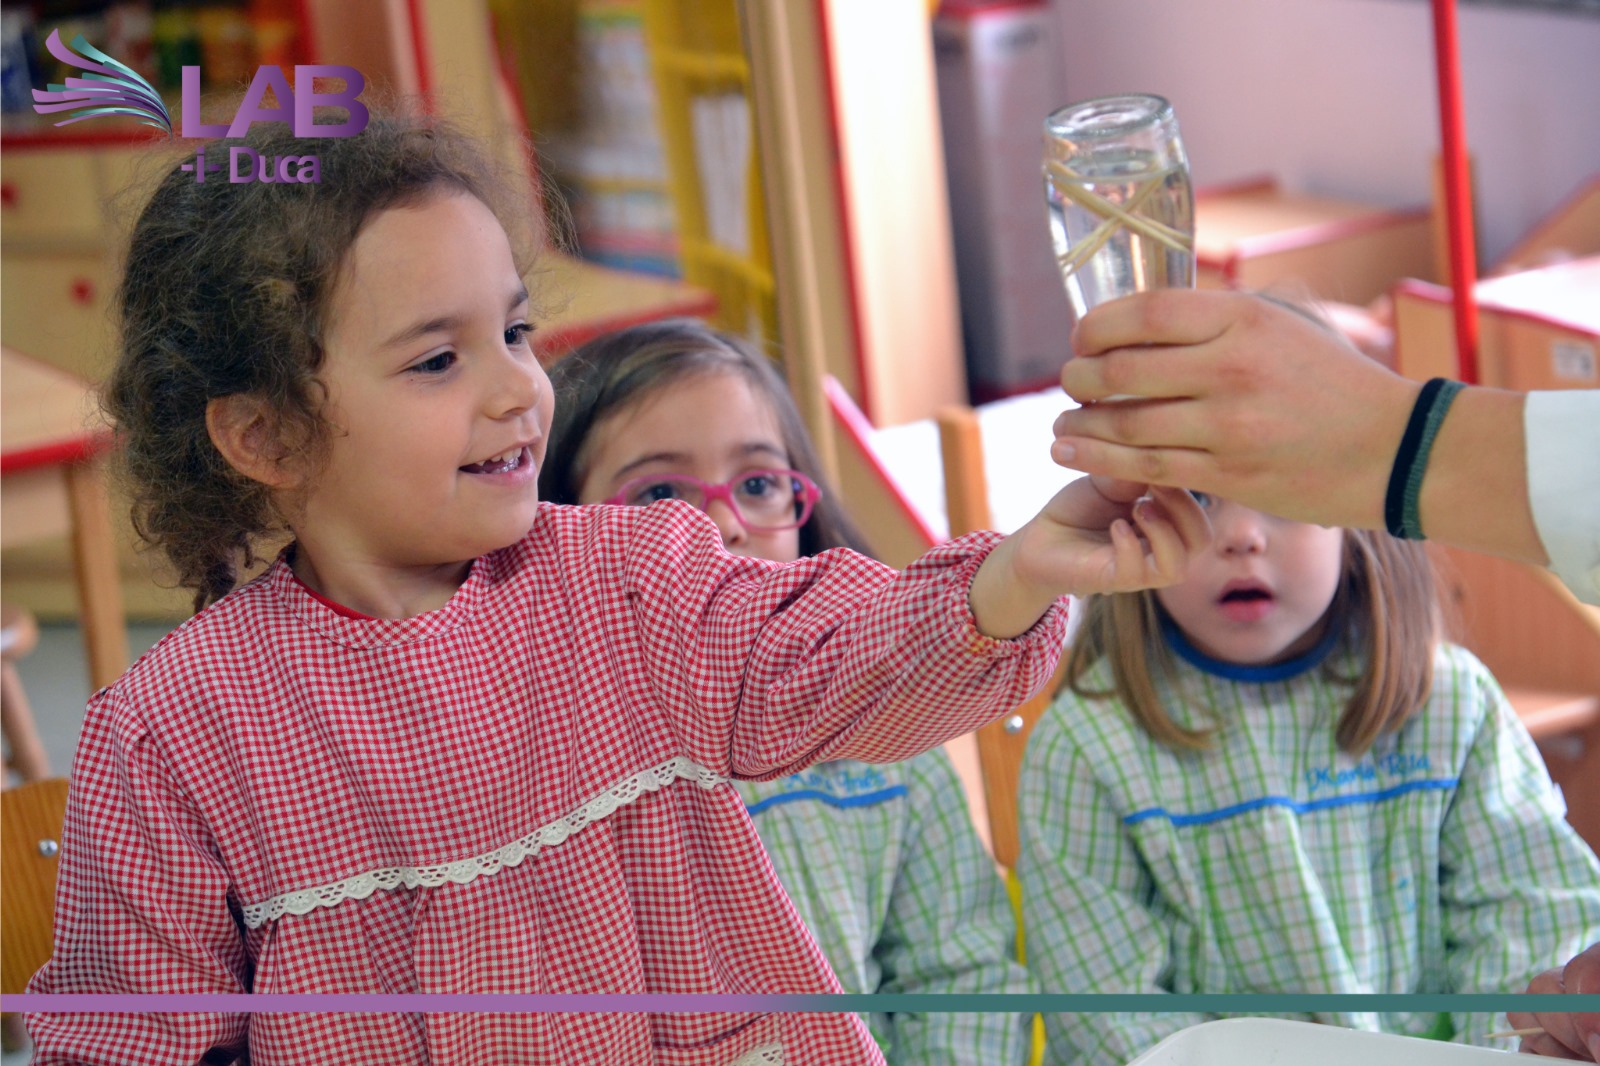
(1121,210)
(766,501)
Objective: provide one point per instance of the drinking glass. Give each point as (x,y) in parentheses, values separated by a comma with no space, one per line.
(1116,181)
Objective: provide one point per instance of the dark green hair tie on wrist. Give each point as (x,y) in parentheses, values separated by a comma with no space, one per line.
(1411,460)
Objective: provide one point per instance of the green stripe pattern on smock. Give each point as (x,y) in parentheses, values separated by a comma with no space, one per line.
(1437,862)
(885,868)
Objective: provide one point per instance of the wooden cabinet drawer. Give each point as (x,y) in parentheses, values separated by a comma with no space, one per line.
(47,195)
(126,178)
(57,308)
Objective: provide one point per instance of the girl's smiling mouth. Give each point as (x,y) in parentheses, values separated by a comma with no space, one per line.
(511,462)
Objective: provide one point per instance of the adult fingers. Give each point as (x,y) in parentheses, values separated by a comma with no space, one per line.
(1179,467)
(1160,316)
(1140,371)
(1158,423)
(1150,344)
(1582,974)
(1560,1038)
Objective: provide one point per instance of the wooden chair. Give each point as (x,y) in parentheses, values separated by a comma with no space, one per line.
(1000,743)
(1543,645)
(31,818)
(25,755)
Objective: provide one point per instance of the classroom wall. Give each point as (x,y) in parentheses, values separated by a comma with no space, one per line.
(1339,97)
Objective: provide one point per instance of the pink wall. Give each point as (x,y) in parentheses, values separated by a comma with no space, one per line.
(1339,97)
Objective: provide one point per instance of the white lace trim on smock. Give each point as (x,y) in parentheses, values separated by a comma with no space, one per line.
(464,870)
(771,1055)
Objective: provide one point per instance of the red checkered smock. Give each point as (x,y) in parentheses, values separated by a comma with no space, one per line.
(522,791)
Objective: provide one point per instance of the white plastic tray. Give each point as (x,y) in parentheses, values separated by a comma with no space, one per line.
(1279,1042)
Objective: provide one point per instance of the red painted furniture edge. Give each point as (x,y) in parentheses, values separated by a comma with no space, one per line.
(74,449)
(859,430)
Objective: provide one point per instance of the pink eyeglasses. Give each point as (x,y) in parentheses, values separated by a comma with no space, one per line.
(765,501)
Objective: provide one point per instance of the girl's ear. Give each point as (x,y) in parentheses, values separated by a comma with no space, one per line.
(242,429)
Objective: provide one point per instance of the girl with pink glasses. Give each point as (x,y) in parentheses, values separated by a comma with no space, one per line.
(881,861)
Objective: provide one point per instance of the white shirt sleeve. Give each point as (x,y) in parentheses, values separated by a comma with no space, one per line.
(1563,437)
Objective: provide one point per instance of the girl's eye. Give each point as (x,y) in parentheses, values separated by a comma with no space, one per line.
(657,490)
(758,485)
(1204,499)
(436,365)
(518,334)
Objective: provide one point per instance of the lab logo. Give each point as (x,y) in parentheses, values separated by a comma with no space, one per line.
(111,88)
(107,88)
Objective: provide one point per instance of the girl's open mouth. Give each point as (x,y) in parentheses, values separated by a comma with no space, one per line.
(1246,603)
(500,464)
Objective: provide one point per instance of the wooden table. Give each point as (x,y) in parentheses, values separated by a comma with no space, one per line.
(51,462)
(1255,235)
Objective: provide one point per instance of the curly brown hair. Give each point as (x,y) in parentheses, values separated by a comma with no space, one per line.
(227,291)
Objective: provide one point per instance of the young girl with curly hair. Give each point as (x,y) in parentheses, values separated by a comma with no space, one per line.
(455,739)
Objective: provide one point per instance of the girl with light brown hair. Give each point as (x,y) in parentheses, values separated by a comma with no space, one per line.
(1275,777)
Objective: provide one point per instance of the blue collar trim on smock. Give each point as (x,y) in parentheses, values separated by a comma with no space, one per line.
(1290,668)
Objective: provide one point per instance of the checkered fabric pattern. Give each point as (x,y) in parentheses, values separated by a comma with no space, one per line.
(274,756)
(887,872)
(1437,862)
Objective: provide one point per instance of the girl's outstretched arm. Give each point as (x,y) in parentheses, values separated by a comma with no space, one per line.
(1096,535)
(762,668)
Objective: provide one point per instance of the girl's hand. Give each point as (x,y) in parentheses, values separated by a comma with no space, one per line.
(1571,1035)
(1096,535)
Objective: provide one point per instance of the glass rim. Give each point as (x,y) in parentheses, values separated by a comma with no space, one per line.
(805,500)
(1137,111)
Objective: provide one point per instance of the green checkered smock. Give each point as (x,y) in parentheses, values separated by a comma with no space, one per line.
(1439,861)
(887,872)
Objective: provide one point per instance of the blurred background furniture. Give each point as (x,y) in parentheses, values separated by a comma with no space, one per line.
(25,754)
(51,460)
(1538,328)
(31,817)
(1001,743)
(1255,235)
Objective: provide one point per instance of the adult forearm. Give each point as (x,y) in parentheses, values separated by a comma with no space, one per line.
(1475,491)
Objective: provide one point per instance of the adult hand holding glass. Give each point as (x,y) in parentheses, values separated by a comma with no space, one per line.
(1233,395)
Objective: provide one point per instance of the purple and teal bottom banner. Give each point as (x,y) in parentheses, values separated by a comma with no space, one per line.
(681,1004)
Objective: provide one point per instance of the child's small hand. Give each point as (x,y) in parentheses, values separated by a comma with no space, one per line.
(1098,534)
